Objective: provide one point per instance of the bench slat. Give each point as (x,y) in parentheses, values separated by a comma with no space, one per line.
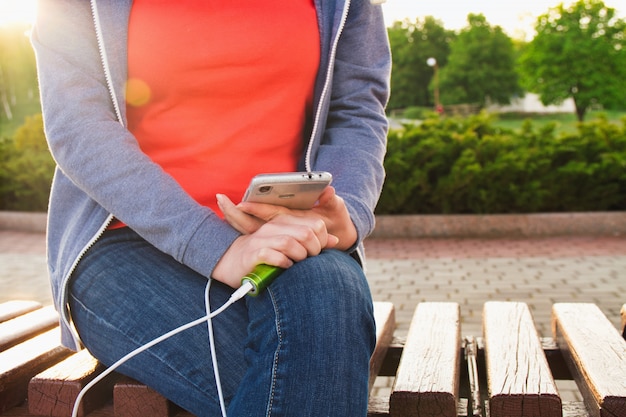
(15,308)
(134,399)
(25,326)
(623,314)
(427,381)
(519,380)
(53,392)
(385,318)
(18,363)
(21,362)
(596,355)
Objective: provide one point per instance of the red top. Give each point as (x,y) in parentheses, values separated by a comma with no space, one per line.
(219,91)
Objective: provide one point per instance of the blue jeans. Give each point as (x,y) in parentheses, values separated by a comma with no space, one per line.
(301,348)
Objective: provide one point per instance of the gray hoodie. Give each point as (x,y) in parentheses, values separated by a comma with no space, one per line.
(81,52)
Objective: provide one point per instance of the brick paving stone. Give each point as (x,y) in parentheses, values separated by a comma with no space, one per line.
(539,271)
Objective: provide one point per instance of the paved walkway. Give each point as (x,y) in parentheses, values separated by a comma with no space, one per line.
(538,271)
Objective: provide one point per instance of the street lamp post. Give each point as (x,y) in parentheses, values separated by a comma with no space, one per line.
(432,62)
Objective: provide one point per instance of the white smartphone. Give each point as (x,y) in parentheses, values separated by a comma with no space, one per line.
(294,190)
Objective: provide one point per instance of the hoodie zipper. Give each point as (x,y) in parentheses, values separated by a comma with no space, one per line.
(326,89)
(105,62)
(109,80)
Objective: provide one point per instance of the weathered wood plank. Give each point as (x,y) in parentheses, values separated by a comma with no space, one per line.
(105,411)
(385,318)
(134,399)
(427,381)
(623,314)
(15,308)
(27,325)
(519,380)
(22,411)
(378,406)
(21,362)
(53,392)
(596,355)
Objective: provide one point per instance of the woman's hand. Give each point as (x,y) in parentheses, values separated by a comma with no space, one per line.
(279,236)
(247,217)
(332,209)
(281,241)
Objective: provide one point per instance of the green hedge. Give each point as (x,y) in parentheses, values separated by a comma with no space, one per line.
(465,165)
(26,168)
(442,165)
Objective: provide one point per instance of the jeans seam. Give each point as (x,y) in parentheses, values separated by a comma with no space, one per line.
(276,354)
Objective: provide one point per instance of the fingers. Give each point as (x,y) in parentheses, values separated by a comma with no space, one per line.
(332,208)
(327,196)
(276,235)
(260,247)
(315,222)
(289,233)
(294,245)
(246,252)
(280,242)
(242,222)
(262,211)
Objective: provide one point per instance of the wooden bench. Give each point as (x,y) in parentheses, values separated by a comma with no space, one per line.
(508,371)
(583,333)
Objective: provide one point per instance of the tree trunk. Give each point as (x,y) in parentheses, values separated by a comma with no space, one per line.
(580,111)
(7,106)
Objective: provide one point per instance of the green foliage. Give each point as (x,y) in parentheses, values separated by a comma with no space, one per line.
(412,43)
(415,112)
(481,66)
(18,80)
(442,165)
(578,52)
(454,165)
(26,168)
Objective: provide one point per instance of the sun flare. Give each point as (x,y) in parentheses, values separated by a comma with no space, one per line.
(17,12)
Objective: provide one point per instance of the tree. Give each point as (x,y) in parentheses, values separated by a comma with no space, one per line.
(18,78)
(412,43)
(578,52)
(481,66)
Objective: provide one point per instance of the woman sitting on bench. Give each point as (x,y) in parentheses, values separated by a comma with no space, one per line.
(153,111)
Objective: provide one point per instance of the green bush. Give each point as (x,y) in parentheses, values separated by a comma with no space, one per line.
(465,165)
(416,113)
(26,168)
(443,165)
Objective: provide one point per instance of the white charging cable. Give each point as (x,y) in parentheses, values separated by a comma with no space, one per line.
(237,295)
(216,372)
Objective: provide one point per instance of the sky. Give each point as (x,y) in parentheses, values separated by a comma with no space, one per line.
(517,18)
(20,11)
